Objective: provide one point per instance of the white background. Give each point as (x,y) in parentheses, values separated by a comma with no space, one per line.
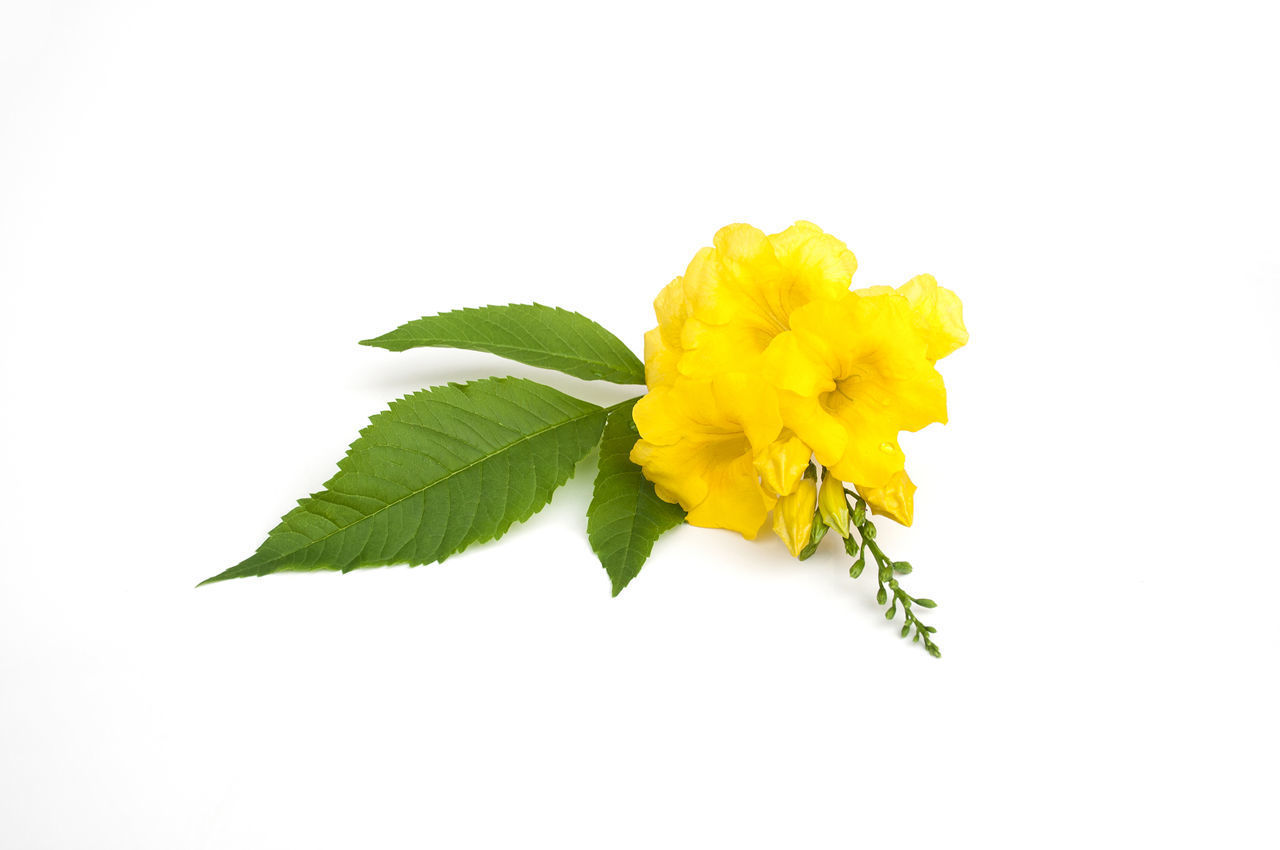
(204,206)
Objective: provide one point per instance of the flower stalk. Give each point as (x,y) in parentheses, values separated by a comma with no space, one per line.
(890,591)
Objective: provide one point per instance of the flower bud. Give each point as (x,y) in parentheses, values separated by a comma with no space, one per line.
(793,516)
(782,464)
(833,504)
(895,500)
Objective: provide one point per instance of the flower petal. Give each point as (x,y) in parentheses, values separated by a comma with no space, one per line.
(734,499)
(824,433)
(818,264)
(750,404)
(937,313)
(660,362)
(723,282)
(797,368)
(672,309)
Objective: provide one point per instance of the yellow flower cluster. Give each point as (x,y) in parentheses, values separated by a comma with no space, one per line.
(763,359)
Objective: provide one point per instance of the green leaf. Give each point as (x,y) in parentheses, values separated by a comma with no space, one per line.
(437,471)
(626,516)
(547,337)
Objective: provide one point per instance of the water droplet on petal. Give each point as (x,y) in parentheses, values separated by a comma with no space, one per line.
(887,448)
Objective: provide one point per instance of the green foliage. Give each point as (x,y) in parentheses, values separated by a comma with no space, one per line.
(626,516)
(437,471)
(547,337)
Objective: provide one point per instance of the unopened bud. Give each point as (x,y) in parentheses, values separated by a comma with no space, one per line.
(833,504)
(896,499)
(793,516)
(782,464)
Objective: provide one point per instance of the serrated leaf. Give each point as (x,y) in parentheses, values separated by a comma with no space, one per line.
(547,337)
(437,471)
(625,516)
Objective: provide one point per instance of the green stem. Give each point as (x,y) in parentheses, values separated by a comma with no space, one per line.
(884,576)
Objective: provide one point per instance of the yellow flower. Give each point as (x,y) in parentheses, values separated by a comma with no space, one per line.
(935,311)
(896,500)
(699,441)
(851,374)
(763,360)
(735,297)
(793,516)
(833,504)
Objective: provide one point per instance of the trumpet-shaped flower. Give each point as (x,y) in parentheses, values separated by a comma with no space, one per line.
(793,516)
(699,442)
(895,500)
(851,374)
(736,296)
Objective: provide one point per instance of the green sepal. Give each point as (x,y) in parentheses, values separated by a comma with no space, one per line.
(817,531)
